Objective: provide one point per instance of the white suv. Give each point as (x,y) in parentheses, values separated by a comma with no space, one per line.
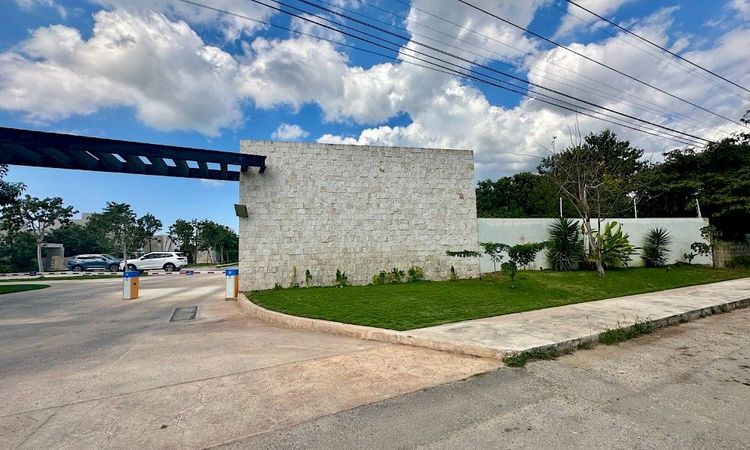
(168,261)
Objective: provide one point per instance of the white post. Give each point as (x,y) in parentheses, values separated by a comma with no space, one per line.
(698,207)
(635,208)
(561,209)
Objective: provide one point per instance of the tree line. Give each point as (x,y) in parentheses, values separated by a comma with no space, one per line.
(28,223)
(612,176)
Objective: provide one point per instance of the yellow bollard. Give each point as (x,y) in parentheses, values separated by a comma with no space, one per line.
(131,281)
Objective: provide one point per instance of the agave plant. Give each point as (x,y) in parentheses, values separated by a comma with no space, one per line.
(656,247)
(565,246)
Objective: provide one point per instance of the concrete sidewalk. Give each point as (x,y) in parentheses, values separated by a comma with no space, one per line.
(566,326)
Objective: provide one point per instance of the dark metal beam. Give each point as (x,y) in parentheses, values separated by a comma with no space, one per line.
(42,149)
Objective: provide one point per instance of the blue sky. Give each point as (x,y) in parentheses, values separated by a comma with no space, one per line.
(177,74)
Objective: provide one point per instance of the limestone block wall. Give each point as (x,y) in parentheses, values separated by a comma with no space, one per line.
(359,209)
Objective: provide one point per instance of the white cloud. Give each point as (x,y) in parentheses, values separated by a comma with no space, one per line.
(160,68)
(31,4)
(742,7)
(232,27)
(289,132)
(578,18)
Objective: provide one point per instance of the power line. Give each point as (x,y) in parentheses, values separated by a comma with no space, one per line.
(408,39)
(645,50)
(527,54)
(597,62)
(442,69)
(567,82)
(619,27)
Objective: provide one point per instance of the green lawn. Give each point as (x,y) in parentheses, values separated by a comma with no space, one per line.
(417,305)
(11,288)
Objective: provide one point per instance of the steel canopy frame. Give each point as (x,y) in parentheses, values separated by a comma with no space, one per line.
(65,151)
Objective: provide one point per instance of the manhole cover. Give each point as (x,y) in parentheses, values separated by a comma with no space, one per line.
(187,313)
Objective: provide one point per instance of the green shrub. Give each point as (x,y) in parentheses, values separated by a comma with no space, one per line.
(308,278)
(454,277)
(396,275)
(739,262)
(615,246)
(416,273)
(565,247)
(380,278)
(656,247)
(341,278)
(510,268)
(525,254)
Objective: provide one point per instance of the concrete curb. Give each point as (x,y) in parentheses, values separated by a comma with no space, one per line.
(359,331)
(688,316)
(401,338)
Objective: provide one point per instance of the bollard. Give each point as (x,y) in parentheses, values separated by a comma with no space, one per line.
(233,284)
(130,283)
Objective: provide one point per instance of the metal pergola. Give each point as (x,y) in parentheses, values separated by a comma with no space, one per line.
(64,151)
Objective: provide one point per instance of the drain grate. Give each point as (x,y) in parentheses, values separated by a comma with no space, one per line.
(186,313)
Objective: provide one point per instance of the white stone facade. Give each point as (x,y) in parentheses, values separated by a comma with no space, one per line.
(358,209)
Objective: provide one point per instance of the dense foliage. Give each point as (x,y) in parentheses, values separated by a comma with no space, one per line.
(565,247)
(656,247)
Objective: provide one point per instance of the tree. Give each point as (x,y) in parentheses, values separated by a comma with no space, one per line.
(521,195)
(37,216)
(146,227)
(717,176)
(183,233)
(78,239)
(9,192)
(495,251)
(118,226)
(596,175)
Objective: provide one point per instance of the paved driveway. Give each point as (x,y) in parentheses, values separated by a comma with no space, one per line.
(81,368)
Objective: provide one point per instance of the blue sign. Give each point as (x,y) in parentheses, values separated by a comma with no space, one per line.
(232,272)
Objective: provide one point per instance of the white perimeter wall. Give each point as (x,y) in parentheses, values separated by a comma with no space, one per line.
(684,231)
(360,209)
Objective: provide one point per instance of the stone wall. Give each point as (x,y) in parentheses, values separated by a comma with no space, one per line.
(684,231)
(360,209)
(725,252)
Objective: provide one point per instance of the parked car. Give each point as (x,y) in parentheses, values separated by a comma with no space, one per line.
(98,261)
(168,261)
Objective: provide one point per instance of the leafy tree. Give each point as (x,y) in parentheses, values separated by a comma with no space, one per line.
(78,239)
(183,233)
(521,195)
(717,176)
(146,227)
(565,247)
(495,251)
(17,252)
(37,216)
(214,237)
(117,225)
(596,175)
(9,192)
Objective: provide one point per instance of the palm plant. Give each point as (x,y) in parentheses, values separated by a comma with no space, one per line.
(565,247)
(656,247)
(614,245)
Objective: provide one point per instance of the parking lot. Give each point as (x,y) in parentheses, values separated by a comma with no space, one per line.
(80,367)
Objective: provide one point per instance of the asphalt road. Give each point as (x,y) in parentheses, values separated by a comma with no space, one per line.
(686,386)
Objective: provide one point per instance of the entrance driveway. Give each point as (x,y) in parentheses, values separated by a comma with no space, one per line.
(81,368)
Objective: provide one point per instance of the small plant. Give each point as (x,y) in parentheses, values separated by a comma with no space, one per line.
(524,254)
(467,254)
(416,273)
(739,262)
(453,275)
(308,278)
(656,247)
(495,251)
(617,335)
(565,247)
(396,275)
(510,269)
(614,245)
(277,287)
(293,278)
(380,278)
(342,279)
